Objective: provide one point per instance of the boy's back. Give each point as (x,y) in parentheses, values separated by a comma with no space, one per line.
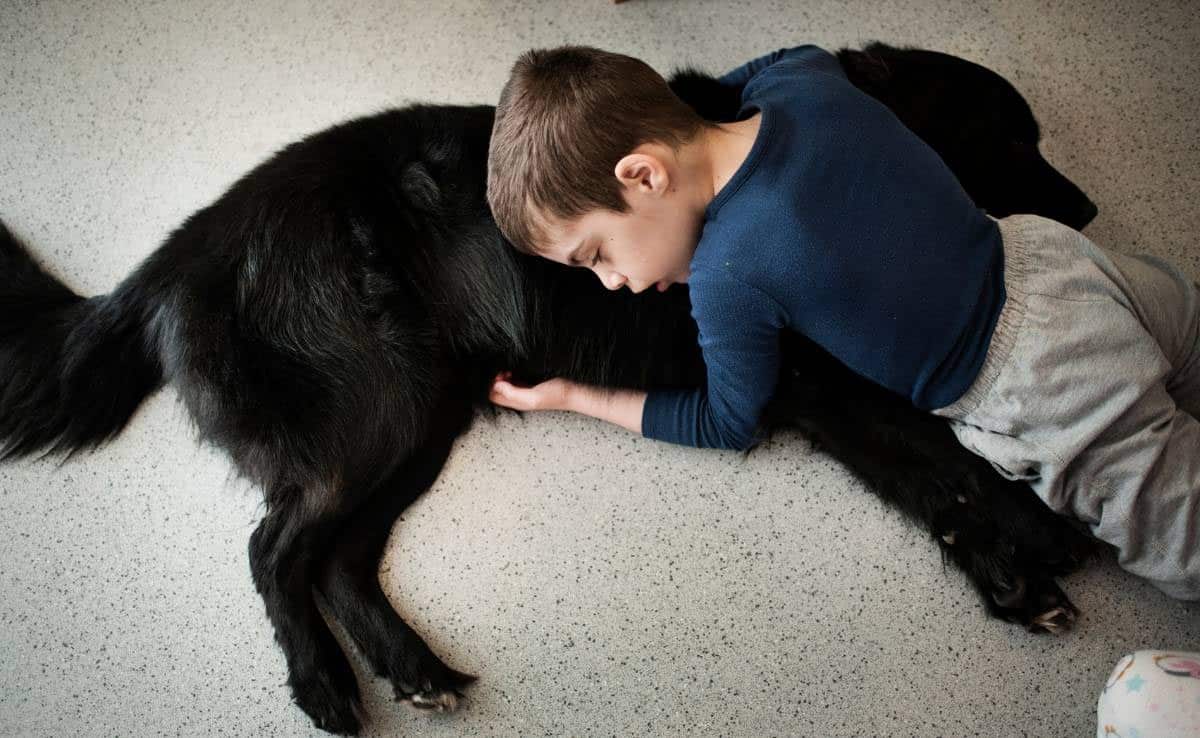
(843,225)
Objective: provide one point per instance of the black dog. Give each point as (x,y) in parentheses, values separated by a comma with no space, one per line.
(334,320)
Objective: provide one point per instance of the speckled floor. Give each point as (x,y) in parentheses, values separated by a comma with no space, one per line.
(599,583)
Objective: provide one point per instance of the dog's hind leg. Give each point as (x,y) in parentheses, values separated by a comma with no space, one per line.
(1009,544)
(298,522)
(349,578)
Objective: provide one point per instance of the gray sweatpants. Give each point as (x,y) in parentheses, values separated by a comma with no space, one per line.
(1090,392)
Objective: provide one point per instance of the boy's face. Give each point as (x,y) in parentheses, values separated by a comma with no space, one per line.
(649,245)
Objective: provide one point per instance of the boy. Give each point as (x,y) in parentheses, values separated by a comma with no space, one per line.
(818,211)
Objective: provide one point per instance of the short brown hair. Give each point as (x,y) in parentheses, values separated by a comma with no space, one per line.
(565,118)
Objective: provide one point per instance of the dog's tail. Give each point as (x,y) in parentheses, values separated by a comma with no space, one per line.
(72,370)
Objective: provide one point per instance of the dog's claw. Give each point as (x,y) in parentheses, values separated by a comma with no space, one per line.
(1056,620)
(442,701)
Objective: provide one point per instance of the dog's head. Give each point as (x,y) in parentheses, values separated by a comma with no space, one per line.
(979,124)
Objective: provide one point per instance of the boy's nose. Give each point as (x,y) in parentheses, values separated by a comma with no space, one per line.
(613,281)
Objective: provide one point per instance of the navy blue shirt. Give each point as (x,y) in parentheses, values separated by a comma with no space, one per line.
(843,225)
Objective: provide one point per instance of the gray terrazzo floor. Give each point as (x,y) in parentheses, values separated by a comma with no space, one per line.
(599,583)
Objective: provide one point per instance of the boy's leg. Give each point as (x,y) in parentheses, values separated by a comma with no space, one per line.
(1135,481)
(1075,403)
(1150,456)
(1167,302)
(1143,472)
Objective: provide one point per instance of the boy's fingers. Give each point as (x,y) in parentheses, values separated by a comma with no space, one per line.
(504,393)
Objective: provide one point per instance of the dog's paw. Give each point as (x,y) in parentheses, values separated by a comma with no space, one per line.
(1058,619)
(428,684)
(434,701)
(1035,602)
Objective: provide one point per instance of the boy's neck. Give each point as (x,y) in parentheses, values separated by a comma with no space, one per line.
(720,151)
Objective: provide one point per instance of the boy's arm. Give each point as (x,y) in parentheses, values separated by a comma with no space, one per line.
(808,56)
(621,407)
(739,335)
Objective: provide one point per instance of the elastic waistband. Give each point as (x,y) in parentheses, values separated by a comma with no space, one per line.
(1016,235)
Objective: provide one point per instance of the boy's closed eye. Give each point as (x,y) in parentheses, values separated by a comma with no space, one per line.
(595,259)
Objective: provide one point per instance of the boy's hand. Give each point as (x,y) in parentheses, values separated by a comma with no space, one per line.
(553,394)
(623,407)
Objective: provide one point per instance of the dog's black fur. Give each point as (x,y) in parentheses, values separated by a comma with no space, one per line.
(333,322)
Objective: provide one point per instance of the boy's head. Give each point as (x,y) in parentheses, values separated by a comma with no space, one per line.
(585,166)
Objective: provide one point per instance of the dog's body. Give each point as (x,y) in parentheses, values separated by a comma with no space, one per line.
(333,322)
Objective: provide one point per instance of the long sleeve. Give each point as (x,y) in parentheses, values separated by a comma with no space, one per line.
(739,336)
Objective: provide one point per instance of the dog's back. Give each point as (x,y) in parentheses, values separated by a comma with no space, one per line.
(977,122)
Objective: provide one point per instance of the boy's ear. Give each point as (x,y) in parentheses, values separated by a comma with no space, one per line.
(642,172)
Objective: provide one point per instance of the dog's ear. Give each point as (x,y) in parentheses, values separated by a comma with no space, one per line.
(708,96)
(868,70)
